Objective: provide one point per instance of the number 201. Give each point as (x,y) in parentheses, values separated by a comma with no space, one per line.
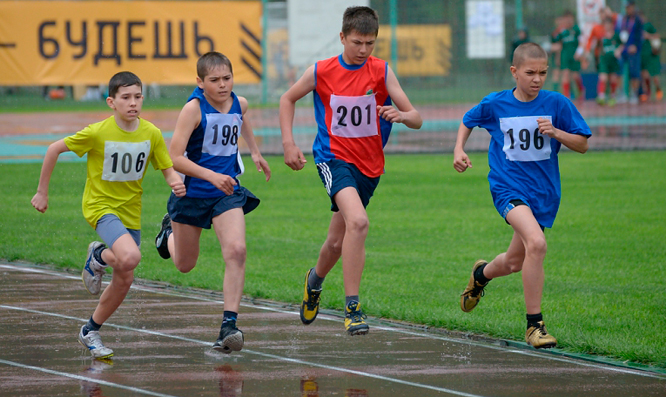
(356,115)
(524,138)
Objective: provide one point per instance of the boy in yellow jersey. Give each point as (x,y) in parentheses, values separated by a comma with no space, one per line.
(119,150)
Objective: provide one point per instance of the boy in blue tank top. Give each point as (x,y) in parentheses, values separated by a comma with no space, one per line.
(527,126)
(204,148)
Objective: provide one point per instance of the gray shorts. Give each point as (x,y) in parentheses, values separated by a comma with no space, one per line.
(110,228)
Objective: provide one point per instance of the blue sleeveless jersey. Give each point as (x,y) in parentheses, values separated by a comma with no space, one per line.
(214,145)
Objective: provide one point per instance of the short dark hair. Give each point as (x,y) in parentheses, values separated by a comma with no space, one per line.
(123,79)
(363,20)
(528,51)
(211,60)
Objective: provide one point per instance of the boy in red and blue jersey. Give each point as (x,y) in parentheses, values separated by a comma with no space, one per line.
(352,97)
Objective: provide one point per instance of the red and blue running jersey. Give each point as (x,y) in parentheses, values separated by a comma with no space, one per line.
(345,102)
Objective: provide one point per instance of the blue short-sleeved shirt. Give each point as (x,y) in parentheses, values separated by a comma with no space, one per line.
(523,162)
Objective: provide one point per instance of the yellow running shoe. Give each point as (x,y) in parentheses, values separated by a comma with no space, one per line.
(355,319)
(310,304)
(474,291)
(539,338)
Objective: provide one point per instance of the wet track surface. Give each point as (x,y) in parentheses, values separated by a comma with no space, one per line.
(162,340)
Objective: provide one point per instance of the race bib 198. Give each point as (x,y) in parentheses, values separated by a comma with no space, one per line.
(354,116)
(221,135)
(522,139)
(124,161)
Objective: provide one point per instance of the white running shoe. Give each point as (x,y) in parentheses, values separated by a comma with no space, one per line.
(93,270)
(93,342)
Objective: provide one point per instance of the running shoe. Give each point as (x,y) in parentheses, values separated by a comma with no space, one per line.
(310,304)
(539,338)
(93,270)
(474,291)
(230,339)
(93,342)
(162,239)
(355,319)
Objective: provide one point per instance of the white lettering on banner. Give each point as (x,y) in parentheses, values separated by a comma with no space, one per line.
(354,116)
(124,161)
(522,139)
(221,135)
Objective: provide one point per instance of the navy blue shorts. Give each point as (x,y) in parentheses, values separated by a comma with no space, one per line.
(200,212)
(337,175)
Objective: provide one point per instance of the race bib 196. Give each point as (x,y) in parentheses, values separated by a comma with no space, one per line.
(124,161)
(221,135)
(354,116)
(522,139)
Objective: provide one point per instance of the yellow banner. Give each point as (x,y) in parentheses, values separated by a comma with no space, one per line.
(423,50)
(86,42)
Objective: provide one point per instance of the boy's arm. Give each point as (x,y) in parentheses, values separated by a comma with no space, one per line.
(575,142)
(405,112)
(293,156)
(175,181)
(460,160)
(248,135)
(41,199)
(188,119)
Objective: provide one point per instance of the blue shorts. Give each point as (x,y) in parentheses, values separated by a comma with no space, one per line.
(513,204)
(337,175)
(110,228)
(199,212)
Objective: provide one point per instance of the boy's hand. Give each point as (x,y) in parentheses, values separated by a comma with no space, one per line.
(223,182)
(546,128)
(460,161)
(293,157)
(40,202)
(390,114)
(262,166)
(178,188)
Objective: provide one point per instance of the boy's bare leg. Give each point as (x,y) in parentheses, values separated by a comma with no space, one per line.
(230,230)
(331,250)
(353,244)
(183,245)
(534,242)
(123,258)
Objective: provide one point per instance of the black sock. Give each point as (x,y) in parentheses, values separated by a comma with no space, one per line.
(350,298)
(533,320)
(478,275)
(97,253)
(314,281)
(229,316)
(91,325)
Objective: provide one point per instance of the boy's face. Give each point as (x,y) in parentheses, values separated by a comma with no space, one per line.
(530,76)
(357,47)
(127,102)
(217,84)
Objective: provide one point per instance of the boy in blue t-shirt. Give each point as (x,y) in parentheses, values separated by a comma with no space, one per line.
(527,126)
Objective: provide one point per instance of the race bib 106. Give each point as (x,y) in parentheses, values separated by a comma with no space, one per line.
(354,116)
(522,139)
(125,161)
(221,135)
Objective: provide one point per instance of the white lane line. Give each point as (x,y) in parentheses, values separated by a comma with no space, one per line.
(389,329)
(257,353)
(79,377)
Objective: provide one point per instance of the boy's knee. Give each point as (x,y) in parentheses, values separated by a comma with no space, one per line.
(128,261)
(236,252)
(334,245)
(358,225)
(537,246)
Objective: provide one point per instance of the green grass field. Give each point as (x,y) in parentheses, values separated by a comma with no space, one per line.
(605,267)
